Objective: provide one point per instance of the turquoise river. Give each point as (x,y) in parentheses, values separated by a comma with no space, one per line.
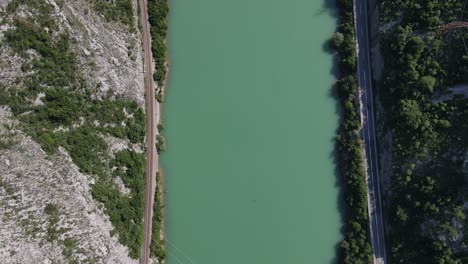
(250,121)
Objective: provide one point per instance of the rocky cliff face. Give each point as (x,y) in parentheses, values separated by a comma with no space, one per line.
(71,131)
(30,181)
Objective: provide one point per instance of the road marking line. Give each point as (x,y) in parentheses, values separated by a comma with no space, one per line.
(370,148)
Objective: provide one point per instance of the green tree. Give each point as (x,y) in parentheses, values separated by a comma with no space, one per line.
(337,39)
(426,84)
(410,114)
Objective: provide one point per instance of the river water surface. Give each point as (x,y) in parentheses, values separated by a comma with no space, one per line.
(250,123)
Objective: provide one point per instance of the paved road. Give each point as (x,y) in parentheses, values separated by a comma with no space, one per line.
(152,119)
(367,105)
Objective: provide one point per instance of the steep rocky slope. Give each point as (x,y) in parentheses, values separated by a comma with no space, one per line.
(31,181)
(71,131)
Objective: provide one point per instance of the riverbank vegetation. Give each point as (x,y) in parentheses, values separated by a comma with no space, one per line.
(426,202)
(158,12)
(355,247)
(57,109)
(157,244)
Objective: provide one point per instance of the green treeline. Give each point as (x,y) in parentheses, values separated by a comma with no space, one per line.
(426,202)
(157,245)
(355,247)
(68,117)
(158,11)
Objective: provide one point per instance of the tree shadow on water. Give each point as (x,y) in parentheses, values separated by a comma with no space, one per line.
(330,7)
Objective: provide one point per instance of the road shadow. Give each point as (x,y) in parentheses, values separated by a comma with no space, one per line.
(329,6)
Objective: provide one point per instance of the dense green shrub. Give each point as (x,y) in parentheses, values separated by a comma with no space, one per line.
(428,136)
(125,211)
(158,12)
(337,39)
(427,14)
(116,10)
(160,143)
(157,245)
